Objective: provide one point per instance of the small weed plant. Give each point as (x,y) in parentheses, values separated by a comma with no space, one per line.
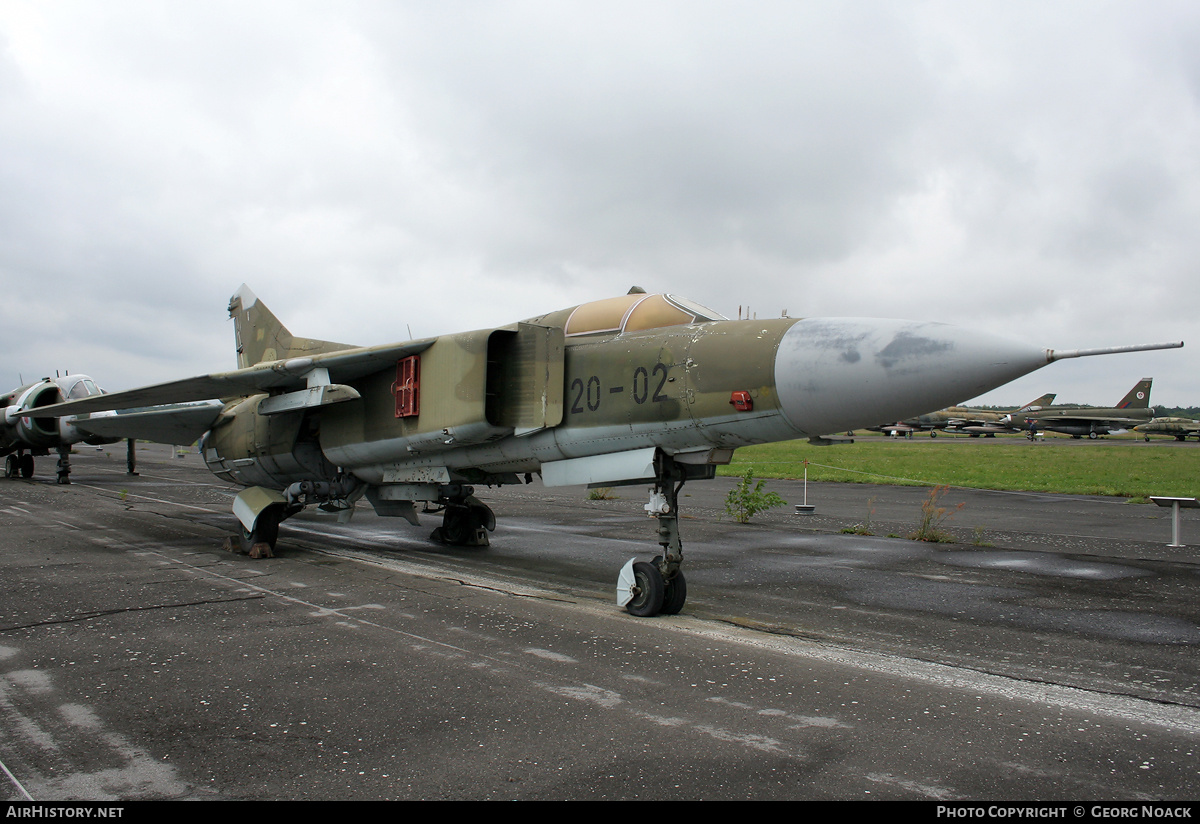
(865,527)
(747,499)
(934,516)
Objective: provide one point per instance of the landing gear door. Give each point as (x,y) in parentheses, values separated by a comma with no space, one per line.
(525,378)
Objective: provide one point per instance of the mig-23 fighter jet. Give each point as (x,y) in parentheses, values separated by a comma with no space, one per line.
(638,389)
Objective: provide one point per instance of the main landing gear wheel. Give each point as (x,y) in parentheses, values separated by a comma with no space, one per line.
(456,526)
(11,467)
(266,531)
(26,463)
(466,522)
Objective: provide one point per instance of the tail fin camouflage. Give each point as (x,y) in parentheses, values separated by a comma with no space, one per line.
(261,337)
(1038,403)
(1138,397)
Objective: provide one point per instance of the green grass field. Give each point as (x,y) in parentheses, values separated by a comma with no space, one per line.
(1132,468)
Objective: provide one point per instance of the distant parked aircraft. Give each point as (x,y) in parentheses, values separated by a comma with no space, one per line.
(1078,421)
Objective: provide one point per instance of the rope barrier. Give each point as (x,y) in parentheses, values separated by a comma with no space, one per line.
(916,481)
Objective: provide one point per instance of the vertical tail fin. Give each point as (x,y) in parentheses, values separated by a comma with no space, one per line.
(1039,403)
(1138,397)
(260,336)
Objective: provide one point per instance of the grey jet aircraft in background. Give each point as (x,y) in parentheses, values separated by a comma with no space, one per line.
(24,436)
(637,389)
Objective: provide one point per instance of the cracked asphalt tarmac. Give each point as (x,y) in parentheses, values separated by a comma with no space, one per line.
(1049,654)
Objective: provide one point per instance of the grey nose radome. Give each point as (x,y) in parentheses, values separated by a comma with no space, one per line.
(834,374)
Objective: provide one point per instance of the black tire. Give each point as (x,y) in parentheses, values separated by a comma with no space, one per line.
(1092,436)
(458,527)
(266,531)
(26,466)
(11,466)
(481,514)
(649,591)
(675,596)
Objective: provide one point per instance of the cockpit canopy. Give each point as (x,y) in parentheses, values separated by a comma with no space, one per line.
(634,312)
(74,387)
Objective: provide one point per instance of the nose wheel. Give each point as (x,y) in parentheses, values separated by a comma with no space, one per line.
(642,587)
(643,591)
(675,595)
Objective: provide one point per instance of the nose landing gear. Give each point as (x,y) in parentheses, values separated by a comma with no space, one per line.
(658,587)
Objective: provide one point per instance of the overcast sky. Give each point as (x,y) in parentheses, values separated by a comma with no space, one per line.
(1028,169)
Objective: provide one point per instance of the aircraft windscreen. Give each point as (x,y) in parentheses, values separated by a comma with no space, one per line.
(635,312)
(81,388)
(701,312)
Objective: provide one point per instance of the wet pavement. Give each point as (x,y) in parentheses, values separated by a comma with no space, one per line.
(1050,653)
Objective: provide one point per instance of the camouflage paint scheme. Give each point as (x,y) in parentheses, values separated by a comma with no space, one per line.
(1093,422)
(975,422)
(1178,428)
(633,389)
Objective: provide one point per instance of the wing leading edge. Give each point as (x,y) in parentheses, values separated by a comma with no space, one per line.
(289,374)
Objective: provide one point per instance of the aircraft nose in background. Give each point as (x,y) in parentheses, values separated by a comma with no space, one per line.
(834,374)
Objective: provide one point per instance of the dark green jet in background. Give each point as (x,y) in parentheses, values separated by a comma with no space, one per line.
(1078,421)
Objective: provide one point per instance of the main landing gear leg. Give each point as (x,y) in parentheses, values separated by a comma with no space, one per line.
(658,587)
(64,464)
